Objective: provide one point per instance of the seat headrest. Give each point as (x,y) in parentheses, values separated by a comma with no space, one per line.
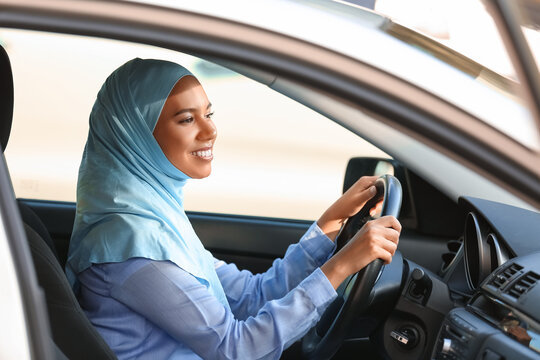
(6,98)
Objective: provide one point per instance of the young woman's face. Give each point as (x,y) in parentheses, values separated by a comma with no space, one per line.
(185,130)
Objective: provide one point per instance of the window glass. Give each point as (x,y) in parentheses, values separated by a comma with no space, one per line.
(273,157)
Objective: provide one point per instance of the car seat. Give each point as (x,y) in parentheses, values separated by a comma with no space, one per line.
(72,332)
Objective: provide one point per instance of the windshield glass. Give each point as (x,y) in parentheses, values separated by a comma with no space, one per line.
(462,25)
(473,45)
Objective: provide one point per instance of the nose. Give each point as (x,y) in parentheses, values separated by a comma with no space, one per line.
(207,130)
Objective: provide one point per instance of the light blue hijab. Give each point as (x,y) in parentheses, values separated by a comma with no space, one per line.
(129,195)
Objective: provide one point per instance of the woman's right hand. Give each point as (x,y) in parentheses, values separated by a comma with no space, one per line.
(377,239)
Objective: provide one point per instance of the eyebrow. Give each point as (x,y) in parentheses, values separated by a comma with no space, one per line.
(192,109)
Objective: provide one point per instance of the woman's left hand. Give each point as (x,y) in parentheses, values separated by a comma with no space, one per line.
(347,205)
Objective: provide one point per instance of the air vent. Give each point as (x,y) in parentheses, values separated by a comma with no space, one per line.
(448,257)
(504,275)
(523,284)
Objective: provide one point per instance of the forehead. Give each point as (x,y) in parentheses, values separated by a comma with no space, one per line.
(187,91)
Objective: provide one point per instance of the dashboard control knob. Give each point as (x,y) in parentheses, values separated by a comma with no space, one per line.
(421,283)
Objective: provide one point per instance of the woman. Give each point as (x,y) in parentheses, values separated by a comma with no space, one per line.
(143,277)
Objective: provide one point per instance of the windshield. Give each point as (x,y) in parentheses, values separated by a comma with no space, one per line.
(463,25)
(463,34)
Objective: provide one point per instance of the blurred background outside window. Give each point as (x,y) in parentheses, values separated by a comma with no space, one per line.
(273,156)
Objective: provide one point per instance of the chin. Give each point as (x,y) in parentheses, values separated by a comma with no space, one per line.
(200,174)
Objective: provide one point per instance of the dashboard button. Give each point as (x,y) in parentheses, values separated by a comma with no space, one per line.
(447,346)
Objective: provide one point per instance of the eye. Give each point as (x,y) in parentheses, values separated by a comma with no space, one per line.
(209,115)
(186,120)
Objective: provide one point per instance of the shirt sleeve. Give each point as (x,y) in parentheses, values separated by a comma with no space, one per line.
(178,303)
(247,292)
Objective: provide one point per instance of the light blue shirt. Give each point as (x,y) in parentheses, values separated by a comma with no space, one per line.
(147,309)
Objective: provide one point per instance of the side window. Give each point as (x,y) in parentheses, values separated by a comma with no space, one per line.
(273,157)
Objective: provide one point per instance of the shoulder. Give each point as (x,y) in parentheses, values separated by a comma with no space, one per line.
(115,273)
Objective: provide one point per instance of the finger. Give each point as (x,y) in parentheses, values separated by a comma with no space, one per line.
(363,183)
(375,229)
(389,222)
(384,255)
(391,235)
(366,194)
(387,251)
(376,209)
(389,246)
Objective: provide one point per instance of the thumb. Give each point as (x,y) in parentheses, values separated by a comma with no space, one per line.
(367,194)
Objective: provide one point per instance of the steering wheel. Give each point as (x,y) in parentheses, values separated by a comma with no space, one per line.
(325,338)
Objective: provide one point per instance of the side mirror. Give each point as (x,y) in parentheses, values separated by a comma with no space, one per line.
(367,166)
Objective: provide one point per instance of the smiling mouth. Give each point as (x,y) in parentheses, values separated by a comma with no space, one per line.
(204,154)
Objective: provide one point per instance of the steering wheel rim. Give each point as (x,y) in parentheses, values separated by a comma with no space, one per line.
(354,293)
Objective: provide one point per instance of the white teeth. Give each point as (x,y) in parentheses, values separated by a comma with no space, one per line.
(203,154)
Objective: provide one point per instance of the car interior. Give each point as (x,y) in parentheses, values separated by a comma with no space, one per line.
(426,300)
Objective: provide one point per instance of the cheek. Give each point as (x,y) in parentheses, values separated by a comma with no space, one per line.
(178,138)
(179,156)
(181,145)
(178,151)
(173,143)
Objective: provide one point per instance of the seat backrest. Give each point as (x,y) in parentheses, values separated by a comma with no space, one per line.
(72,332)
(6,98)
(31,219)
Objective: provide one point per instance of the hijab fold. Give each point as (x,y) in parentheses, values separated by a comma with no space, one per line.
(129,195)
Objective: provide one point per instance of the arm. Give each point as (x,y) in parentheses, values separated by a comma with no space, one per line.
(246,292)
(176,302)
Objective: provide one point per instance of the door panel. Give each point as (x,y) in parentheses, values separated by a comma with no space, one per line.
(252,243)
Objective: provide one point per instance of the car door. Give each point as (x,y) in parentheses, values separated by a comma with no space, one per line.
(277,165)
(264,203)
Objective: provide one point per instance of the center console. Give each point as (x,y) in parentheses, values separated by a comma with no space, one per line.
(466,335)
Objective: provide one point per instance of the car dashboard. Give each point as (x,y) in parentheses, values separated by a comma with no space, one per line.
(497,269)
